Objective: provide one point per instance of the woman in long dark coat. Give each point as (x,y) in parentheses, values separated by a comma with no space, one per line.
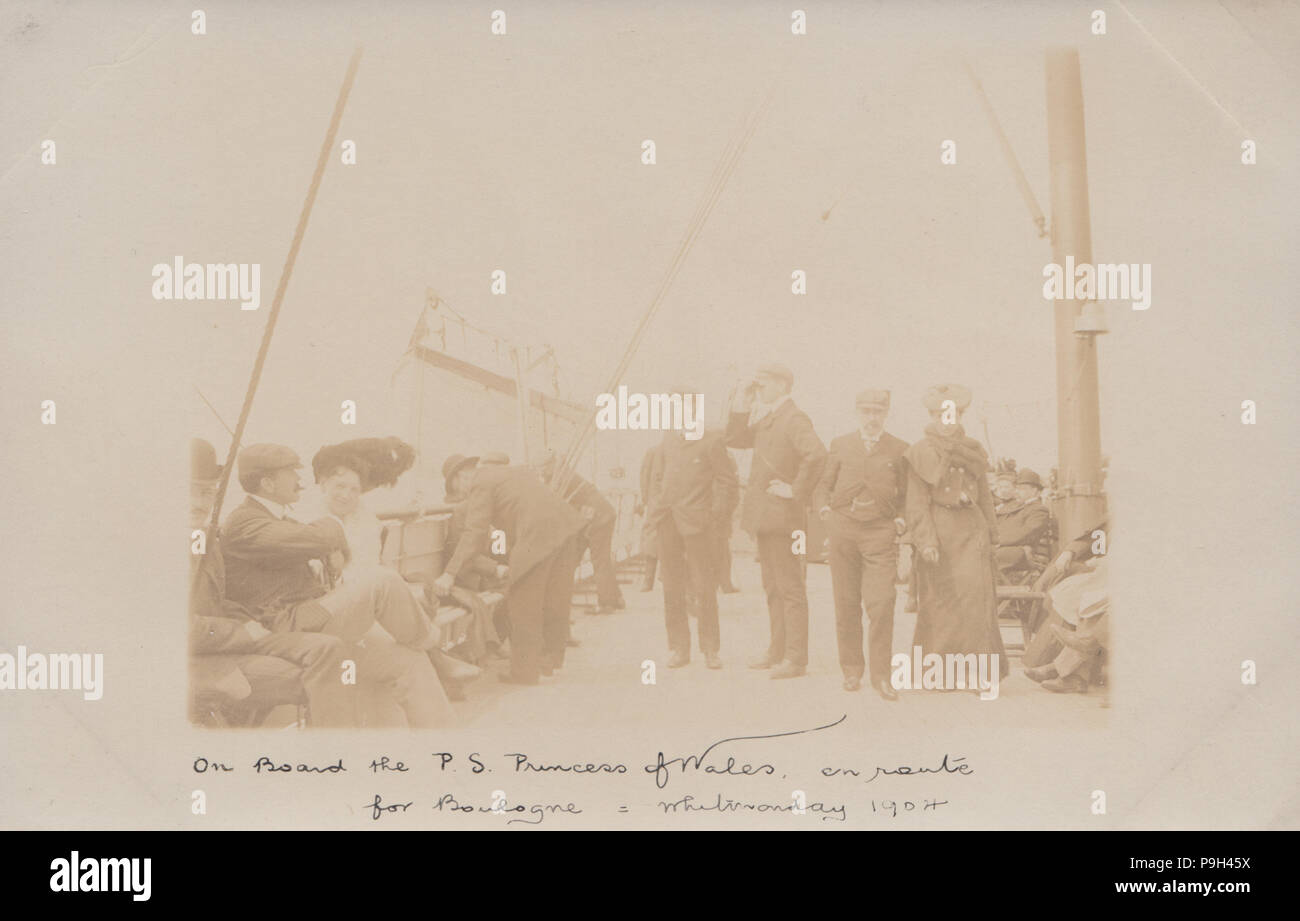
(949,512)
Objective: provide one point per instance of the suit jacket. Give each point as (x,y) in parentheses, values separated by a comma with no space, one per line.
(696,483)
(861,487)
(1025,525)
(580,493)
(785,448)
(481,567)
(216,622)
(537,522)
(650,472)
(266,557)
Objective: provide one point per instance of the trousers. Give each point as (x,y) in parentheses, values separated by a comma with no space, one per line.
(787,598)
(863,567)
(687,565)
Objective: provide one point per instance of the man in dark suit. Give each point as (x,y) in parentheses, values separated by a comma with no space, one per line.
(237,659)
(268,556)
(689,506)
(1023,530)
(650,473)
(788,457)
(722,535)
(598,534)
(540,532)
(860,497)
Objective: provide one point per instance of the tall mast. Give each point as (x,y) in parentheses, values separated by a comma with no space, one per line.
(1077,415)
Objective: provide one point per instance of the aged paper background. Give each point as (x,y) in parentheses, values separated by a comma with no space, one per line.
(478,152)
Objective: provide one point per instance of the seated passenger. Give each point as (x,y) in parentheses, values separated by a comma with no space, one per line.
(236,659)
(343,481)
(1024,530)
(268,571)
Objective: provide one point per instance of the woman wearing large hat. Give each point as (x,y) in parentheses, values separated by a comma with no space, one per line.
(949,511)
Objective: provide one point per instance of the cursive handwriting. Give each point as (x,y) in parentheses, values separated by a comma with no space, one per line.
(500,806)
(696,762)
(688,804)
(378,808)
(958,766)
(266,764)
(523,764)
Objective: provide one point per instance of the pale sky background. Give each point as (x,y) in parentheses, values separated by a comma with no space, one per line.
(521,152)
(479,152)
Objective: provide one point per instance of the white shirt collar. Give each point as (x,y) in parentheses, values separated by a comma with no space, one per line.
(275,508)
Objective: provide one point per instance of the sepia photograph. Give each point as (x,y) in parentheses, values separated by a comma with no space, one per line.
(632,416)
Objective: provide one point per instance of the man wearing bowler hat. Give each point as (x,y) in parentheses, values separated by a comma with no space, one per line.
(540,532)
(268,557)
(787,460)
(1024,531)
(860,497)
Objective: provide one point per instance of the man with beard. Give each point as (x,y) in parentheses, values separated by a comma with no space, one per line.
(860,497)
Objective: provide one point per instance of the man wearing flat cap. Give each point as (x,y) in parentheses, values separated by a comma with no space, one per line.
(949,512)
(787,460)
(860,497)
(541,532)
(237,660)
(1024,532)
(268,557)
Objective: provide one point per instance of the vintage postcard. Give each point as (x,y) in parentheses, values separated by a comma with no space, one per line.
(649,415)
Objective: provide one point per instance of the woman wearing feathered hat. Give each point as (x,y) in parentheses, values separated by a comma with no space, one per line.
(949,511)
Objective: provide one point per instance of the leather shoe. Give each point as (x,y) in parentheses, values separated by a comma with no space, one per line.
(711,660)
(763,662)
(852,682)
(572,643)
(1041,673)
(787,670)
(885,689)
(1070,684)
(730,589)
(678,659)
(512,678)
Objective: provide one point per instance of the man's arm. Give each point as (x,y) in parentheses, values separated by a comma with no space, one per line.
(478,526)
(826,482)
(217,624)
(739,434)
(1024,528)
(812,455)
(725,482)
(265,537)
